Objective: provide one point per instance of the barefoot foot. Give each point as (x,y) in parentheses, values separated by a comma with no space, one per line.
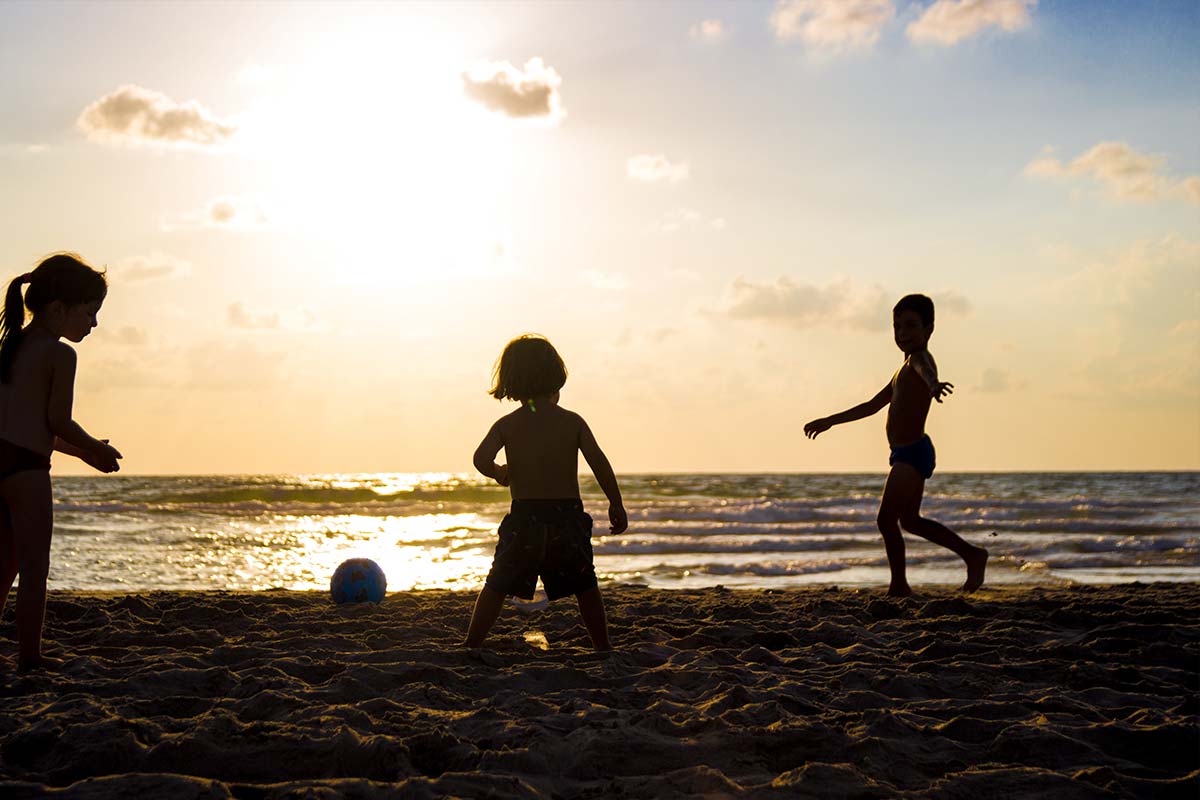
(900,591)
(976,566)
(45,663)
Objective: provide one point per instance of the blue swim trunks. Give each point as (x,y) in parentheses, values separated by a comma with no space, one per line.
(919,455)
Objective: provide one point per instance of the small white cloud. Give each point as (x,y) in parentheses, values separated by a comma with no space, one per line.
(952,302)
(611,281)
(36,149)
(651,169)
(688,219)
(1188,329)
(800,305)
(947,22)
(709,30)
(832,25)
(240,316)
(225,213)
(1126,173)
(997,381)
(156,266)
(531,93)
(135,116)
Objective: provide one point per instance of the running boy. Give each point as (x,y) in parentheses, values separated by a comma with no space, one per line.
(547,533)
(907,396)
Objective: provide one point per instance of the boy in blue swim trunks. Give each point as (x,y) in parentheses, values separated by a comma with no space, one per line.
(908,395)
(547,534)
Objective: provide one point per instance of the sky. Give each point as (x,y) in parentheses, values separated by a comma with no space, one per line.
(322,223)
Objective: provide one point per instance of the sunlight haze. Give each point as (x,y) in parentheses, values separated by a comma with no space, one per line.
(322,223)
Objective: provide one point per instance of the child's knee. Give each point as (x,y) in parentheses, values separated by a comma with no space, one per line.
(886,520)
(910,521)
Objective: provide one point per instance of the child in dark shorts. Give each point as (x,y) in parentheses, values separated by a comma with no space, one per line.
(546,533)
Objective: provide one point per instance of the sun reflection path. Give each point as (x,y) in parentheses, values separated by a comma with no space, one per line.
(430,551)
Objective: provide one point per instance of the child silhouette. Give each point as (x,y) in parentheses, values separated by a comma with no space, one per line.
(908,395)
(37,379)
(546,533)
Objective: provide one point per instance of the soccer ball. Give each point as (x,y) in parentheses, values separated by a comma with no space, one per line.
(358,580)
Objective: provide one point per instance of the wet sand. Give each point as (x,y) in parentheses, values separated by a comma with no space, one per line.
(1079,692)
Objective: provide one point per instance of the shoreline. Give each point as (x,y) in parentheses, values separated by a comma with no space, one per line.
(1080,691)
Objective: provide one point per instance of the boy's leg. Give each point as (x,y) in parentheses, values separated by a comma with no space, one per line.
(900,492)
(31,510)
(591,608)
(487,610)
(934,531)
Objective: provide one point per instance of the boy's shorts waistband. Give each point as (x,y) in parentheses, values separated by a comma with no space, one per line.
(530,505)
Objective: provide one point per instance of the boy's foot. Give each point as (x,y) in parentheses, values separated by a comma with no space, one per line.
(40,663)
(976,566)
(900,591)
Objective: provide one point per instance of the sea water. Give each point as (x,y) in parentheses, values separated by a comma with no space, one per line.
(685,530)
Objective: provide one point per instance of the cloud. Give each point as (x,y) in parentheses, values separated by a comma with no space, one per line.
(612,281)
(952,302)
(134,115)
(651,169)
(997,381)
(832,24)
(948,22)
(1126,173)
(240,316)
(708,30)
(155,266)
(226,213)
(800,305)
(688,219)
(529,94)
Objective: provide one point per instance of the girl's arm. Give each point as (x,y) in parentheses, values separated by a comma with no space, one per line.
(485,456)
(67,432)
(604,476)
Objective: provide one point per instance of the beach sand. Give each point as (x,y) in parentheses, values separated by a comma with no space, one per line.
(1075,692)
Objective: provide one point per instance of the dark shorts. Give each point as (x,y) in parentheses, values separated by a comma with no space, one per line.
(14,459)
(919,455)
(551,539)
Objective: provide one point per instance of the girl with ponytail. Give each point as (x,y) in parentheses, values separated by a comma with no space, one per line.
(37,380)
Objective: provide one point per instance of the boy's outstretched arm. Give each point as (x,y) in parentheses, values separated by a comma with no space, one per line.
(603,471)
(819,426)
(926,368)
(485,456)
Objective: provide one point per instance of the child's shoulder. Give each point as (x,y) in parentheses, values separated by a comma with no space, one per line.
(55,351)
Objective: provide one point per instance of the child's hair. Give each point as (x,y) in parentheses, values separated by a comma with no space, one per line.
(63,276)
(529,367)
(919,303)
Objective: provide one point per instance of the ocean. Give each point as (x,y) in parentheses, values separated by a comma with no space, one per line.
(685,530)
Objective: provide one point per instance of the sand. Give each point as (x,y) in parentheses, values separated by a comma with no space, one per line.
(1076,692)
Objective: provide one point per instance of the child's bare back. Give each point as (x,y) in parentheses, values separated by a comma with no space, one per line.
(542,447)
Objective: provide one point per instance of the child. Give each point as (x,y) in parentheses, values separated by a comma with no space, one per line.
(37,376)
(547,532)
(912,460)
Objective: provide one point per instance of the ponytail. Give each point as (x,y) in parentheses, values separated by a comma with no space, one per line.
(11,323)
(61,277)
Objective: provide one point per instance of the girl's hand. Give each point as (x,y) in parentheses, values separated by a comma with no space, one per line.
(943,388)
(502,474)
(618,520)
(104,458)
(816,427)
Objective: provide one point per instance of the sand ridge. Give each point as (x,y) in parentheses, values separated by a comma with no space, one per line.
(1076,692)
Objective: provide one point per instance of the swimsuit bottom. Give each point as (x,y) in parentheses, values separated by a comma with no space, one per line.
(550,539)
(14,459)
(919,455)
